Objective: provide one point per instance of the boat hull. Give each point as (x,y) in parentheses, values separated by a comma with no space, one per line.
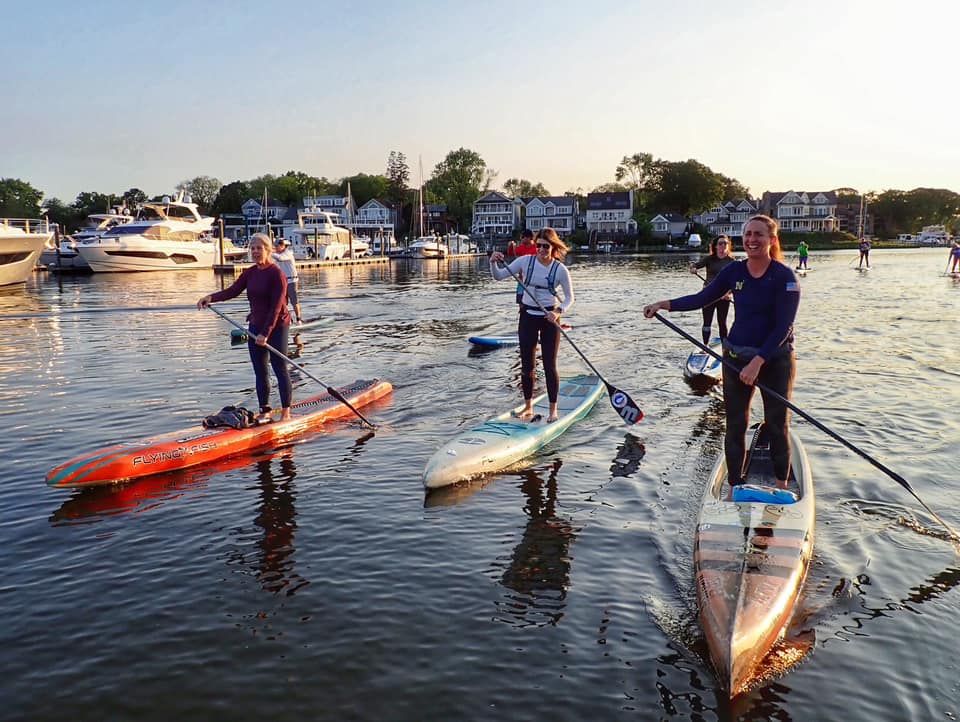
(750,561)
(19,252)
(504,440)
(196,445)
(136,253)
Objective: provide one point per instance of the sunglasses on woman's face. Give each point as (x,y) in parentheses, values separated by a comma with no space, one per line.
(543,245)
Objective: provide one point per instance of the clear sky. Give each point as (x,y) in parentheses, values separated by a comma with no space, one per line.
(105,96)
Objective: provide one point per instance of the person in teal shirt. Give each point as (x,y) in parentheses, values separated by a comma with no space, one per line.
(803,251)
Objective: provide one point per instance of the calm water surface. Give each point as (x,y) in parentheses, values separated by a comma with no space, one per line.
(318,582)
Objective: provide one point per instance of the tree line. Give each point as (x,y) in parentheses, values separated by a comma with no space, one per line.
(659,186)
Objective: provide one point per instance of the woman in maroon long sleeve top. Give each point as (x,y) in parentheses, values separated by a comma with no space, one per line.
(269,320)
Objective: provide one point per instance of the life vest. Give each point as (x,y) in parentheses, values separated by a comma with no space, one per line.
(551,277)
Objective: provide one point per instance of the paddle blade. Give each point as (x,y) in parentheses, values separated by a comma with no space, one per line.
(626,407)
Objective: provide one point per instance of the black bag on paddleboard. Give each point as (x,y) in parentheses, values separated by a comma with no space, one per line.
(236,417)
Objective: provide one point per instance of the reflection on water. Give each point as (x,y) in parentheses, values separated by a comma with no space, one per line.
(277,517)
(538,570)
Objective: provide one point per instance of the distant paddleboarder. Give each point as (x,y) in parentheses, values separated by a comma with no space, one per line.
(803,252)
(766,296)
(864,253)
(955,257)
(543,275)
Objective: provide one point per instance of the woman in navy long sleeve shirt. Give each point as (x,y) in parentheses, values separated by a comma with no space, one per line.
(269,321)
(760,344)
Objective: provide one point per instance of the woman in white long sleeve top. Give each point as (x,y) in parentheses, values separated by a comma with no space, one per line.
(543,275)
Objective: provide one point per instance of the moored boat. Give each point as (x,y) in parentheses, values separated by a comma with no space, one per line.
(751,554)
(198,445)
(21,243)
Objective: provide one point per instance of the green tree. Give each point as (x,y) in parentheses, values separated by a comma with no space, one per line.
(398,177)
(365,187)
(459,180)
(134,198)
(89,202)
(64,215)
(522,188)
(203,190)
(641,174)
(897,211)
(231,197)
(19,199)
(687,187)
(610,188)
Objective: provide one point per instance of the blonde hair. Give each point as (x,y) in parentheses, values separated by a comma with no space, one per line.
(549,235)
(264,239)
(773,228)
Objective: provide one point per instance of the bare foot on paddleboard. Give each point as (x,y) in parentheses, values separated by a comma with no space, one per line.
(524,415)
(552,418)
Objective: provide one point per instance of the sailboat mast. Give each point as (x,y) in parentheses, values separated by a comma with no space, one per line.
(420,158)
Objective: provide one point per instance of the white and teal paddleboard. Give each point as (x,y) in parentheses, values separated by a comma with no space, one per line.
(504,440)
(494,341)
(237,335)
(702,365)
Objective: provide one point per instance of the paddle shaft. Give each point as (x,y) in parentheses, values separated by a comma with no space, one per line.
(612,391)
(829,432)
(330,390)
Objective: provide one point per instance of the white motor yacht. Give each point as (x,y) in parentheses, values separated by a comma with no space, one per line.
(21,243)
(94,226)
(167,235)
(429,247)
(318,237)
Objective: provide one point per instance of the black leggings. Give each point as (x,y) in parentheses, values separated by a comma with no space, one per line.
(530,330)
(777,374)
(262,359)
(722,306)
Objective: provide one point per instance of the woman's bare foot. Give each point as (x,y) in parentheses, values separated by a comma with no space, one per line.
(524,415)
(285,414)
(551,418)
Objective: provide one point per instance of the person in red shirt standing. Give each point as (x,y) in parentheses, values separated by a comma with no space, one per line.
(269,322)
(526,247)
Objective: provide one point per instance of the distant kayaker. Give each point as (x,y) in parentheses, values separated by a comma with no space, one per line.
(864,253)
(955,257)
(766,296)
(715,261)
(803,252)
(269,321)
(543,275)
(284,258)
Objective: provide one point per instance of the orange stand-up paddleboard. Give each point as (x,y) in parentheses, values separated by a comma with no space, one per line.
(197,445)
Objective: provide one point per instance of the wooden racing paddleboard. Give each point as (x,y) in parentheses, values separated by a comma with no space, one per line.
(237,335)
(197,445)
(751,556)
(701,365)
(505,439)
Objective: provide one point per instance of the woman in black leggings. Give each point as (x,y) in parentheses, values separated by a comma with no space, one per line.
(718,259)
(543,275)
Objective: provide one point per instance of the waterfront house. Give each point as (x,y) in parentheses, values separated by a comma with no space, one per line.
(494,214)
(802,211)
(670,225)
(727,219)
(557,212)
(253,210)
(611,213)
(376,213)
(848,219)
(437,220)
(342,207)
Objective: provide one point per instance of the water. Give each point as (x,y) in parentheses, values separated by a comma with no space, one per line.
(317,581)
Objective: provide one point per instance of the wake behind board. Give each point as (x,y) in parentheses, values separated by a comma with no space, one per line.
(750,559)
(237,335)
(505,439)
(701,365)
(197,445)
